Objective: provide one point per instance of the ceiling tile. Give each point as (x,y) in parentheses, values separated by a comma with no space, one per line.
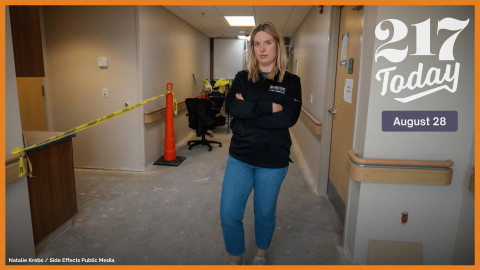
(276,20)
(301,10)
(198,13)
(213,24)
(249,8)
(205,8)
(236,12)
(280,13)
(267,8)
(175,10)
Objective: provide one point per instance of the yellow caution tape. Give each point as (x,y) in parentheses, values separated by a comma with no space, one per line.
(174,102)
(24,158)
(22,171)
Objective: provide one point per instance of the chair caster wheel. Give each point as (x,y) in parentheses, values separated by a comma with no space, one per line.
(220,145)
(189,148)
(209,149)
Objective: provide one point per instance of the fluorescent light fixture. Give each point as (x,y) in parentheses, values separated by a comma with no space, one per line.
(240,20)
(244,37)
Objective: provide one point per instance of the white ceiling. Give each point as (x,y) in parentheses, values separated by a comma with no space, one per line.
(213,24)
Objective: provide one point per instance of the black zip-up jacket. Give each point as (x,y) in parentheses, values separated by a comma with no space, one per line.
(260,137)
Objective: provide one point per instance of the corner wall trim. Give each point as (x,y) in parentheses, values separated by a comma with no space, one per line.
(471,186)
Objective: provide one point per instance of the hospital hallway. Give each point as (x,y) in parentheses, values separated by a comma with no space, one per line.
(381,116)
(171,216)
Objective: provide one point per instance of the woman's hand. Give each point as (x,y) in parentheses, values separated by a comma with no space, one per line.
(239,96)
(276,107)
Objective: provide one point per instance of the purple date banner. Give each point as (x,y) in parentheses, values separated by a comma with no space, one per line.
(419,121)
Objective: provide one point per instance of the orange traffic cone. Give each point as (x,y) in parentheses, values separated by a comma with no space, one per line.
(169,157)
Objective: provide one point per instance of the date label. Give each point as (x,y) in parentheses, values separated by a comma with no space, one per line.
(419,121)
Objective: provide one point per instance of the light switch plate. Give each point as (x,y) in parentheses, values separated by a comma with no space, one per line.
(102,62)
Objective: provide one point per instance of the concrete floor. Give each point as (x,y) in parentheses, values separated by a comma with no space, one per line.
(170,216)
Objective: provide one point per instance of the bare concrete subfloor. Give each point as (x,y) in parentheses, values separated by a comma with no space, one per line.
(170,216)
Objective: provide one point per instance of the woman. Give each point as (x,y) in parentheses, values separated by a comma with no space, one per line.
(264,100)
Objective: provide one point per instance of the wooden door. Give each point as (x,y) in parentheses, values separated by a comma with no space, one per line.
(30,100)
(351,23)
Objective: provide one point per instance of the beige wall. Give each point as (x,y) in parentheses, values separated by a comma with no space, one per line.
(170,51)
(311,48)
(74,38)
(464,252)
(18,223)
(434,211)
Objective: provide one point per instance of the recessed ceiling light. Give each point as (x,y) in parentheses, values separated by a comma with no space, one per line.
(244,37)
(240,20)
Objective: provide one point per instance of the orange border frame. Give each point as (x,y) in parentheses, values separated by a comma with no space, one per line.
(217,2)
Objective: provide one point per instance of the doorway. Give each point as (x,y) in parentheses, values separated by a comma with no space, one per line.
(343,112)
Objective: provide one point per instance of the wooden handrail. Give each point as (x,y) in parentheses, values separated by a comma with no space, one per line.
(159,113)
(154,111)
(179,104)
(398,162)
(11,168)
(12,158)
(315,121)
(399,171)
(313,124)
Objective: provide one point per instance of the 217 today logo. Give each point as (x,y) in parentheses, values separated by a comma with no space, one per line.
(434,77)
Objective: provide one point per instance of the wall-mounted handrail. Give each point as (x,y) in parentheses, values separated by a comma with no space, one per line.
(12,158)
(313,124)
(11,168)
(399,171)
(399,162)
(315,121)
(159,113)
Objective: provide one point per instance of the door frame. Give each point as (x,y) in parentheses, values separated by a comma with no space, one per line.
(328,100)
(330,94)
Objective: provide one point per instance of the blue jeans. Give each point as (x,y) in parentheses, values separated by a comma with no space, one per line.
(239,180)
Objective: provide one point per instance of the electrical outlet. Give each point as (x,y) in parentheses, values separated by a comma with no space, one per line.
(311,98)
(104,92)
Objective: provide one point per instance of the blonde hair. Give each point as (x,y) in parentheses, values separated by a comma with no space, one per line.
(280,59)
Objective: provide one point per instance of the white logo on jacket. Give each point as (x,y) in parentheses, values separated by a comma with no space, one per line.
(277,89)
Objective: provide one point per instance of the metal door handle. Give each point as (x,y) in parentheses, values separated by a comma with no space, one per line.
(332,110)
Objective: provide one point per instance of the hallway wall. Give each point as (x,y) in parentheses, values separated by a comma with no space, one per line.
(18,221)
(170,51)
(464,252)
(434,211)
(75,36)
(311,49)
(228,57)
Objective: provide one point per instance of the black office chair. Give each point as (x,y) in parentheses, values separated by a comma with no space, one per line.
(201,118)
(218,100)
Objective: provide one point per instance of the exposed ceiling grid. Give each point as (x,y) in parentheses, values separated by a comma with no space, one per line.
(210,20)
